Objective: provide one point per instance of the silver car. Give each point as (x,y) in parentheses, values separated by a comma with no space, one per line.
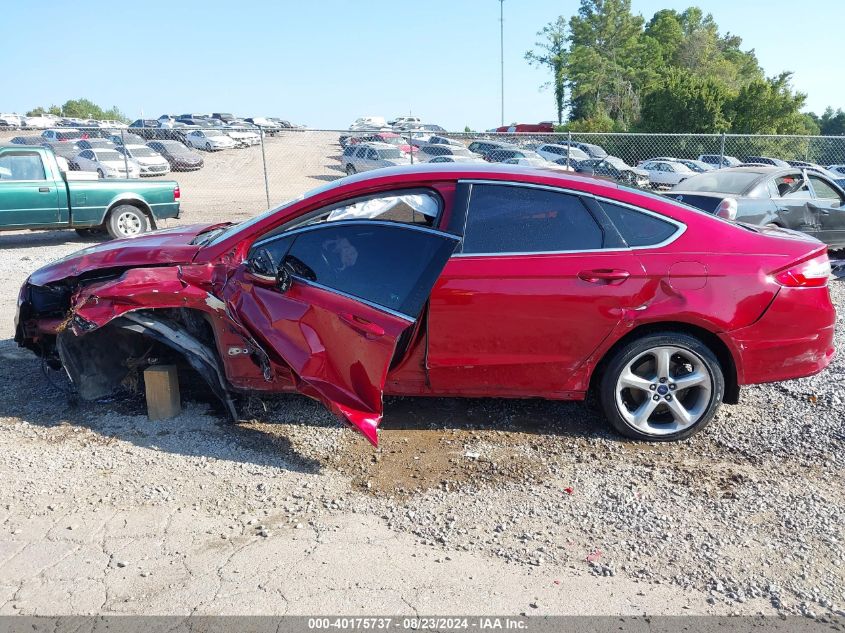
(427,151)
(367,156)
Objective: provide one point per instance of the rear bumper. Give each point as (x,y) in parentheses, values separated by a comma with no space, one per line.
(793,338)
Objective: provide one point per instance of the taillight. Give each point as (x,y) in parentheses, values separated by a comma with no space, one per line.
(811,273)
(727,209)
(176,193)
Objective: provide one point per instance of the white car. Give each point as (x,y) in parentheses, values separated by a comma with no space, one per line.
(11,119)
(108,163)
(113,124)
(554,152)
(242,137)
(839,170)
(366,123)
(540,163)
(664,173)
(39,122)
(209,140)
(366,156)
(457,158)
(149,161)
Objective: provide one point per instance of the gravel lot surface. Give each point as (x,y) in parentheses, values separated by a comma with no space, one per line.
(467,506)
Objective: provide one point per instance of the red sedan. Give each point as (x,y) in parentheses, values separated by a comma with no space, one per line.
(450,280)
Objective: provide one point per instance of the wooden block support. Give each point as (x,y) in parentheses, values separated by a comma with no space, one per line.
(162,385)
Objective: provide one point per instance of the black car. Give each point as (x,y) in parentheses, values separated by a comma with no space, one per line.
(485,148)
(67,150)
(614,168)
(792,198)
(766,160)
(180,157)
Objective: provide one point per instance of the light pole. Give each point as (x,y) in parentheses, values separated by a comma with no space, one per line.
(502,53)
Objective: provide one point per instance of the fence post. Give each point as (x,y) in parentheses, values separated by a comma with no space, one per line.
(722,152)
(568,147)
(410,147)
(125,151)
(264,166)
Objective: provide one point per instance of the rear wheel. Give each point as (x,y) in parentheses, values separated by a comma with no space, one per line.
(208,147)
(663,386)
(127,221)
(91,232)
(100,173)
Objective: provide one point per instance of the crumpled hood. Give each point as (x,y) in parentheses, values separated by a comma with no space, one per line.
(168,246)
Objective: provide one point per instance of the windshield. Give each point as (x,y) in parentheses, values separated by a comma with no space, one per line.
(736,182)
(176,148)
(393,140)
(246,224)
(389,154)
(616,162)
(142,152)
(108,155)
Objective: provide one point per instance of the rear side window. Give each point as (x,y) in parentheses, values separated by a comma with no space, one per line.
(509,219)
(638,229)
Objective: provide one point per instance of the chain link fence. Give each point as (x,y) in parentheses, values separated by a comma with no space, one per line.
(231,173)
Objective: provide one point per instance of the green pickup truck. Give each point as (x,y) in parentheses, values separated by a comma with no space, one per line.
(38,192)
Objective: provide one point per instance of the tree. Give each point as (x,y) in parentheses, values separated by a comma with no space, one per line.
(768,106)
(686,103)
(550,52)
(81,109)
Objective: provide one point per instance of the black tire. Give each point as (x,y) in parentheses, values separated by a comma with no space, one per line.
(91,232)
(350,169)
(127,221)
(705,399)
(100,173)
(208,147)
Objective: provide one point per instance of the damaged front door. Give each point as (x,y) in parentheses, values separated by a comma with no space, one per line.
(331,300)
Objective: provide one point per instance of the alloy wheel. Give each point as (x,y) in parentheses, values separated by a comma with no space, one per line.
(129,224)
(664,390)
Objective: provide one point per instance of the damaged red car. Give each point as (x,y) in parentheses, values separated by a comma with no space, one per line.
(450,280)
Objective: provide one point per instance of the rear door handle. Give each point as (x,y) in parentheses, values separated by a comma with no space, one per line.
(363,326)
(604,275)
(44,189)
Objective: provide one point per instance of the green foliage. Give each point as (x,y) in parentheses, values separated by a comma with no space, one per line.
(686,102)
(81,109)
(674,73)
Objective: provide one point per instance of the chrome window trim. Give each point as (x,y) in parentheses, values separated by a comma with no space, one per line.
(680,225)
(362,222)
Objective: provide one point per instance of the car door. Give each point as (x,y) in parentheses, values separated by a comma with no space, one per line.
(331,301)
(27,197)
(826,207)
(791,198)
(540,281)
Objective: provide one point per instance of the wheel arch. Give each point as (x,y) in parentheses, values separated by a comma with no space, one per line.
(717,346)
(132,200)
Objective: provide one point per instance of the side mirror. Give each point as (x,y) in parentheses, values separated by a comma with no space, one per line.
(283,279)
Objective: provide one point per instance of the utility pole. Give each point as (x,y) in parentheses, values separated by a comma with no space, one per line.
(502,53)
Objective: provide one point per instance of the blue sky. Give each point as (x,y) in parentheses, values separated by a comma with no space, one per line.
(326,62)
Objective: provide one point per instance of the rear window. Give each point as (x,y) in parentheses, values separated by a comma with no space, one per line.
(513,219)
(721,181)
(638,229)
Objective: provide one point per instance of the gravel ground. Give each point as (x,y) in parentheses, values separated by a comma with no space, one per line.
(472,505)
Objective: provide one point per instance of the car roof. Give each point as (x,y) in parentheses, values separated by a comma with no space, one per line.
(376,145)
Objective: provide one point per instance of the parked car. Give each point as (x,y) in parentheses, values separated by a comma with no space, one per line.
(501,155)
(58,136)
(11,119)
(791,198)
(614,168)
(243,137)
(178,155)
(39,122)
(457,158)
(108,163)
(766,160)
(662,311)
(544,127)
(66,151)
(113,124)
(28,140)
(591,150)
(428,152)
(95,143)
(435,139)
(555,151)
(390,138)
(718,161)
(123,208)
(126,137)
(267,126)
(837,169)
(483,148)
(537,163)
(150,162)
(664,173)
(209,140)
(223,116)
(367,156)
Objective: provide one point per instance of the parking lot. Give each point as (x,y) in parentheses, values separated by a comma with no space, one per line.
(467,505)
